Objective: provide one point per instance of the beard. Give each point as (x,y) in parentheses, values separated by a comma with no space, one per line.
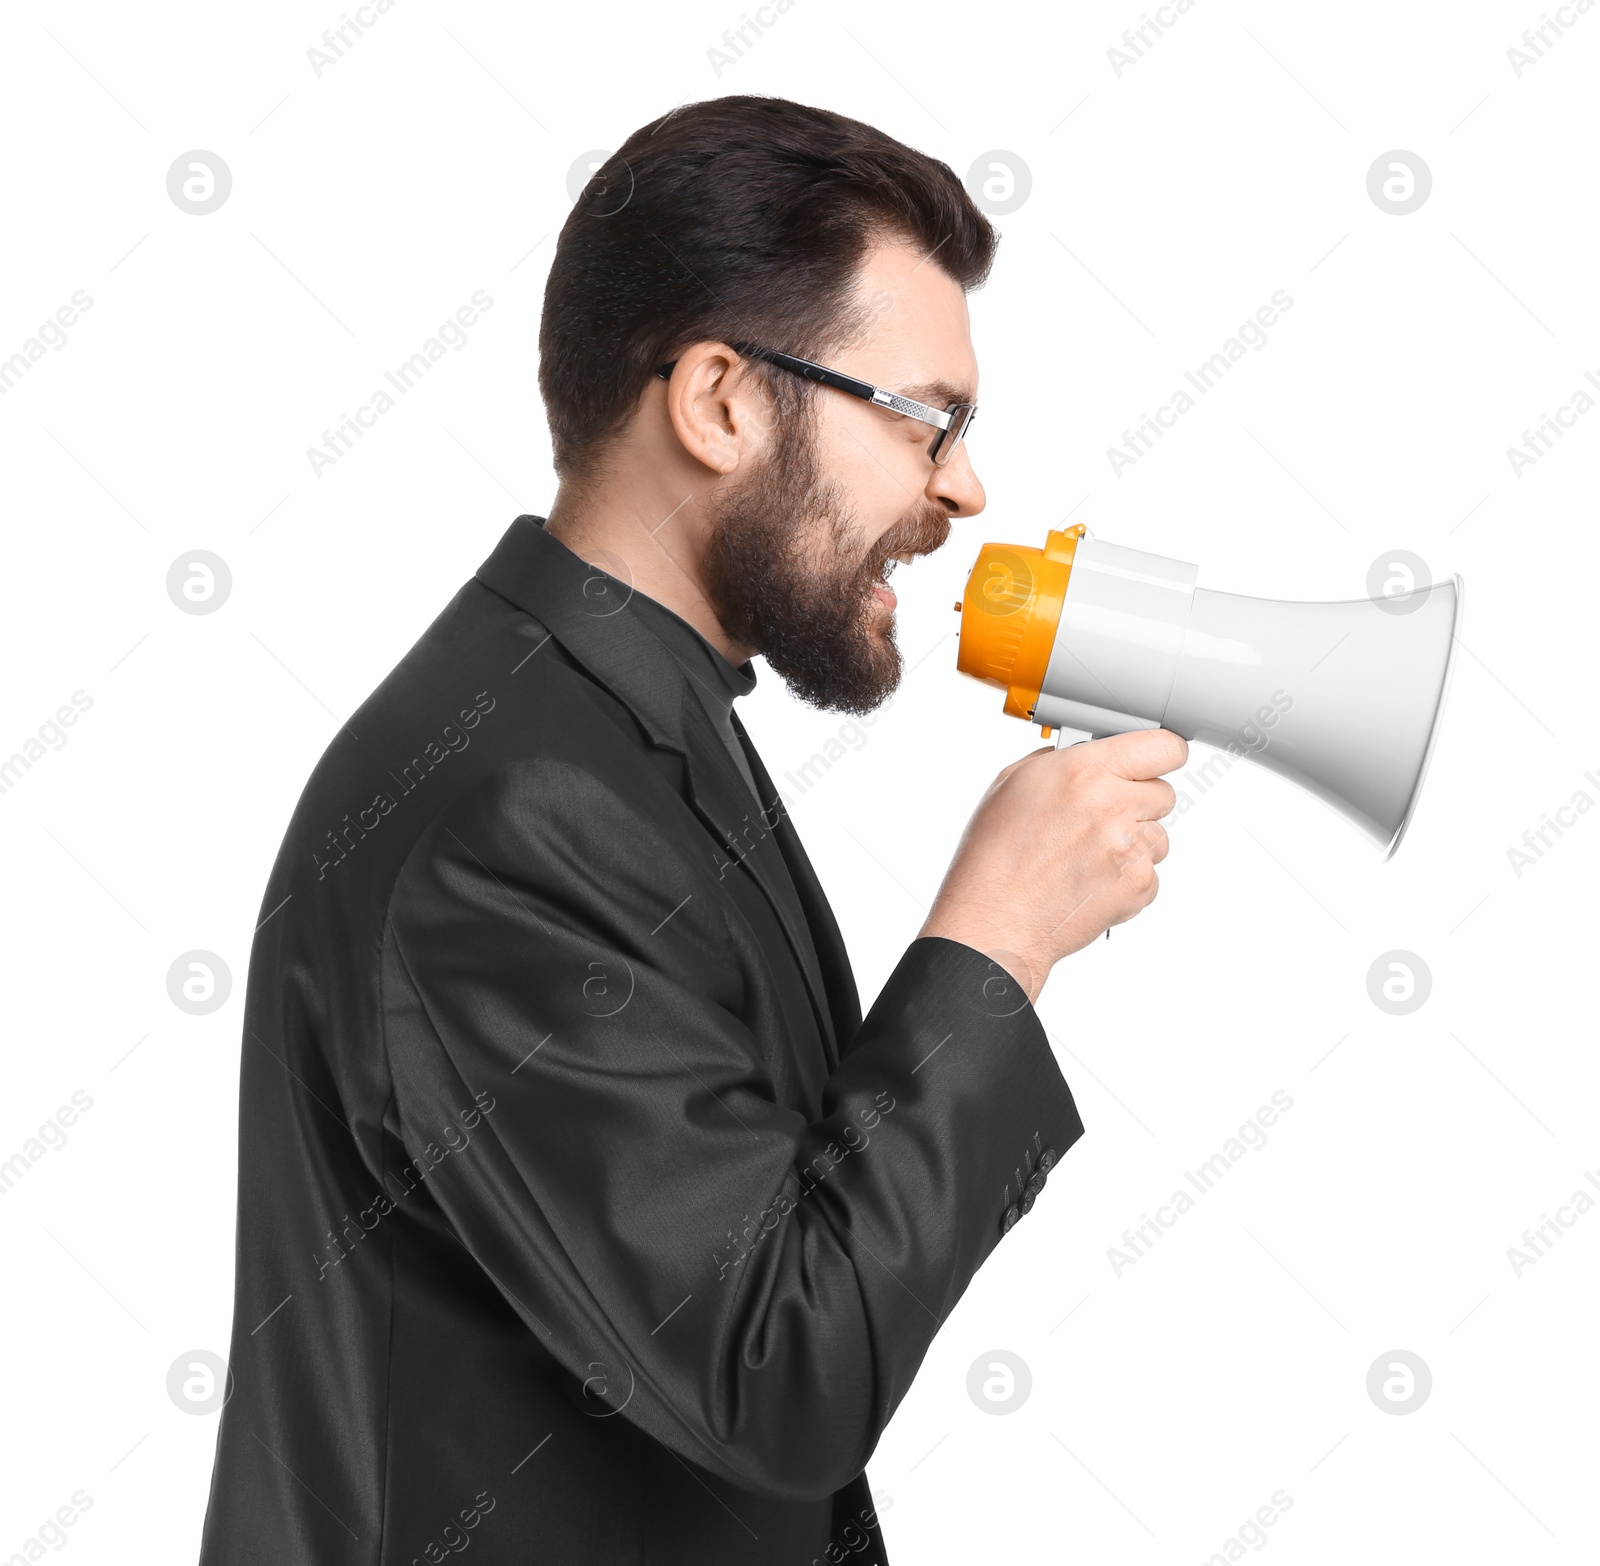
(787,572)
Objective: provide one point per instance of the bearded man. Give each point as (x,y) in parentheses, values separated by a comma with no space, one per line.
(582,1215)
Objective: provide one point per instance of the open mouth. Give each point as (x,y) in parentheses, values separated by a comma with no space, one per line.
(904,557)
(880,584)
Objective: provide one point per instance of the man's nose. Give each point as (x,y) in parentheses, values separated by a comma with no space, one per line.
(955,486)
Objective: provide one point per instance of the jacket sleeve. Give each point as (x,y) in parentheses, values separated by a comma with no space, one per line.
(752,1287)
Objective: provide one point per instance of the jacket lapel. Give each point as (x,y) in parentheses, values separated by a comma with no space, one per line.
(826,940)
(579,606)
(754,836)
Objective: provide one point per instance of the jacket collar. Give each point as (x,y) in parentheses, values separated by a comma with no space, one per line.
(582,607)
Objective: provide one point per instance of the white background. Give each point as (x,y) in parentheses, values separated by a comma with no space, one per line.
(1167,204)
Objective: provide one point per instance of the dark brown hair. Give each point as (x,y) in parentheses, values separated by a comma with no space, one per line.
(738,219)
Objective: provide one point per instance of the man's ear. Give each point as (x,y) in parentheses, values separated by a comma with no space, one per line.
(718,410)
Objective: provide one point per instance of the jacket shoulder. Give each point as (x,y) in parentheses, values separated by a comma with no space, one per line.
(486,690)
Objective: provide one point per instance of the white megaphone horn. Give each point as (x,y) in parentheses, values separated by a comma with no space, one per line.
(1089,639)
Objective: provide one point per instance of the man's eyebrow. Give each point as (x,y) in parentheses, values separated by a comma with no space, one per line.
(937,394)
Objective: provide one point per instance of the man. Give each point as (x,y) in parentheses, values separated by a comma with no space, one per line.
(582,1217)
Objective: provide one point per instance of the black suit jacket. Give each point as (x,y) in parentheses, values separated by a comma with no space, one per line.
(581,1216)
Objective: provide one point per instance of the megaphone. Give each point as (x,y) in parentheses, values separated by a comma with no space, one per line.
(1090,639)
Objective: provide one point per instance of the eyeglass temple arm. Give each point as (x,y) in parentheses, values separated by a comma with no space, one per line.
(848,383)
(823,376)
(787,361)
(819,373)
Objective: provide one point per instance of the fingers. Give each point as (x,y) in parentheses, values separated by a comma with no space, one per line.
(1158,841)
(1143,843)
(1147,896)
(1145,753)
(1153,798)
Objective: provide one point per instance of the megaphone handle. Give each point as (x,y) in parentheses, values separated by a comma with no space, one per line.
(1064,738)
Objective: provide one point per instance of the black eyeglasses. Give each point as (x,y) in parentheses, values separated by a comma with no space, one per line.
(952,424)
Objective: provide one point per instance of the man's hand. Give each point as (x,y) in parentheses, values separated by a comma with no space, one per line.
(1062,846)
